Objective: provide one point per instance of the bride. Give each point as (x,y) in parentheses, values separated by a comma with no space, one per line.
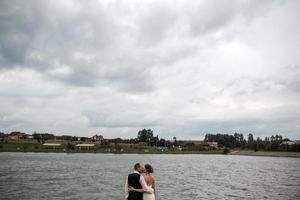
(150,181)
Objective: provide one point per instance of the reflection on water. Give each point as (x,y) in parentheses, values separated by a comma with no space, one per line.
(101,176)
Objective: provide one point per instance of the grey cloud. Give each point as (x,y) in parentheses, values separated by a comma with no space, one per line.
(155,21)
(90,32)
(209,16)
(199,18)
(290,78)
(113,120)
(132,79)
(29,28)
(285,80)
(108,65)
(99,33)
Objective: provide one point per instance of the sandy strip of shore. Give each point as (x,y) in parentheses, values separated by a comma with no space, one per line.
(265,153)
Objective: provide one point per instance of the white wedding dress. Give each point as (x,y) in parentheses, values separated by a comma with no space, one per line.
(148,196)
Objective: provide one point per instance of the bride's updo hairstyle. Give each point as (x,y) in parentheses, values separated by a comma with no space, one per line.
(149,168)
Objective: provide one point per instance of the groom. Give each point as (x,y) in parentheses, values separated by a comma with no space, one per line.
(136,180)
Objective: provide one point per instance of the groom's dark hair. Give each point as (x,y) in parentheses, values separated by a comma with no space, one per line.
(137,165)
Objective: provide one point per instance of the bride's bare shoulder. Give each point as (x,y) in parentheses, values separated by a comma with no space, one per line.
(149,178)
(152,177)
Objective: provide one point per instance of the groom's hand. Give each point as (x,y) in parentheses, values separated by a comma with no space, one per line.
(130,189)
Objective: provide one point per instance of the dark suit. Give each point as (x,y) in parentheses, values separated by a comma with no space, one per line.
(134,181)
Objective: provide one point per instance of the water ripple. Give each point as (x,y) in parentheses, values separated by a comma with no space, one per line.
(183,177)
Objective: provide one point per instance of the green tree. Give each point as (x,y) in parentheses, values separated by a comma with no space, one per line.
(162,143)
(154,141)
(70,146)
(145,135)
(224,140)
(175,141)
(250,138)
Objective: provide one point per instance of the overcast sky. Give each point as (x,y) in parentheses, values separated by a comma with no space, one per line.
(181,68)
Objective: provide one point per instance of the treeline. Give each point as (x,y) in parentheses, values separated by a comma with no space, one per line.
(146,136)
(42,137)
(237,140)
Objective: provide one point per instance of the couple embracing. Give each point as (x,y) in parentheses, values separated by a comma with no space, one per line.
(140,185)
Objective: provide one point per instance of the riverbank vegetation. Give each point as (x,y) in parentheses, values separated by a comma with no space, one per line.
(237,140)
(145,142)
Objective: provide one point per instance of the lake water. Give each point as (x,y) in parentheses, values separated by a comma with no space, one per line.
(183,177)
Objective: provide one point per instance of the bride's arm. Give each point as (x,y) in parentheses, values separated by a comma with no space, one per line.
(154,188)
(134,189)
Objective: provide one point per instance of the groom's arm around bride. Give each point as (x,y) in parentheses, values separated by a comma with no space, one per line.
(136,180)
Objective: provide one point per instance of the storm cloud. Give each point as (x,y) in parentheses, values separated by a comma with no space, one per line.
(180,68)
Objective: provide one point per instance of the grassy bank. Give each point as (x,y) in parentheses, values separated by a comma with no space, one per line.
(37,147)
(265,153)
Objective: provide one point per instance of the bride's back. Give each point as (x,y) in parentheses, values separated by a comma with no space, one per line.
(149,179)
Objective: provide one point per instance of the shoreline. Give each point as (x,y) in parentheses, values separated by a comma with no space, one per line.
(265,153)
(233,153)
(119,152)
(38,148)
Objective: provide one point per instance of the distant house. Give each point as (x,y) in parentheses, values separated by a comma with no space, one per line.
(289,143)
(29,136)
(84,139)
(15,136)
(52,145)
(97,138)
(85,146)
(213,145)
